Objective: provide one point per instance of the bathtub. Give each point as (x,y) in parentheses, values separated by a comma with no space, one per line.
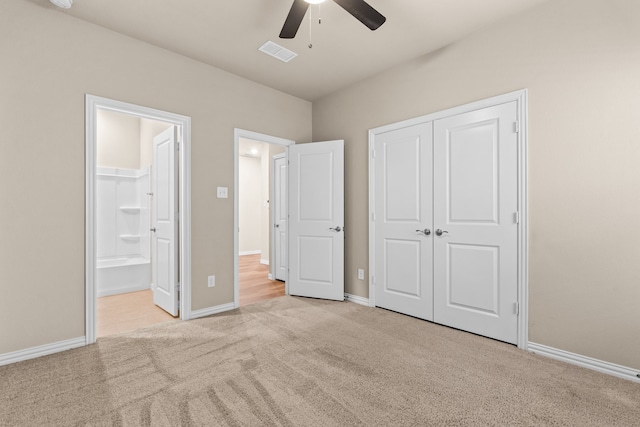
(121,275)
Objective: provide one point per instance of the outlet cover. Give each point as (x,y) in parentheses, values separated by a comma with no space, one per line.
(212,281)
(360,274)
(223,192)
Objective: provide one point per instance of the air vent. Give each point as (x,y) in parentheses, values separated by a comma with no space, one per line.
(277,51)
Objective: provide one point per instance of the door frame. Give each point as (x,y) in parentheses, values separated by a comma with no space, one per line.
(268,139)
(521,99)
(272,213)
(92,104)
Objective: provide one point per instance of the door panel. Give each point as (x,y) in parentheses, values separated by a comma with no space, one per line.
(473,174)
(403,206)
(316,222)
(475,199)
(280,220)
(165,247)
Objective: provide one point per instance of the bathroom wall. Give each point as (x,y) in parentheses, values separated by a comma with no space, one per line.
(117,140)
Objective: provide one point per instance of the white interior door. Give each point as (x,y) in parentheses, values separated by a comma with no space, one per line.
(475,200)
(403,224)
(165,247)
(280,216)
(316,220)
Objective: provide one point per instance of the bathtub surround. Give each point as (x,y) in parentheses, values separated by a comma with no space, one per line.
(123,222)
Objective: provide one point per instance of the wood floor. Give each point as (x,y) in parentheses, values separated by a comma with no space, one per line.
(128,312)
(254,281)
(135,310)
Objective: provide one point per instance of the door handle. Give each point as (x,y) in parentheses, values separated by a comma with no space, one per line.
(153,229)
(426,231)
(440,232)
(276,225)
(336,229)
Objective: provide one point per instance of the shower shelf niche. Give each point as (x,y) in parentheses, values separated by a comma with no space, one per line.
(130,209)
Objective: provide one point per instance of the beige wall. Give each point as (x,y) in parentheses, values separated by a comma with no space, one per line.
(580,61)
(49,62)
(249,204)
(117,140)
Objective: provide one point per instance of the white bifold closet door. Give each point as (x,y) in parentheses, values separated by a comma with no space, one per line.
(404,218)
(476,200)
(445,221)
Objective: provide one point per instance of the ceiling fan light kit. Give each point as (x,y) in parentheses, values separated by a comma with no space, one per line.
(359,9)
(64,4)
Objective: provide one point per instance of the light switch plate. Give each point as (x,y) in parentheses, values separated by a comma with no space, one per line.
(360,274)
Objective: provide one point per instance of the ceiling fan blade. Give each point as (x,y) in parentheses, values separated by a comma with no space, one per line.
(363,12)
(294,19)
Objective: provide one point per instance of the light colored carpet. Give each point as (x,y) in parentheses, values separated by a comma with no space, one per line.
(302,362)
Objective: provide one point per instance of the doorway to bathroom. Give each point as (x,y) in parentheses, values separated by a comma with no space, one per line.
(137,190)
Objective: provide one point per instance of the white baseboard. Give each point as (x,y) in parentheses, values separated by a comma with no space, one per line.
(204,312)
(241,253)
(264,261)
(357,299)
(270,276)
(123,290)
(41,350)
(585,362)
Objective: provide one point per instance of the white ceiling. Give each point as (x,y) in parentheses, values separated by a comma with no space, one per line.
(228,33)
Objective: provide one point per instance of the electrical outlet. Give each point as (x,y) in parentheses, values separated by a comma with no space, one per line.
(361,274)
(212,281)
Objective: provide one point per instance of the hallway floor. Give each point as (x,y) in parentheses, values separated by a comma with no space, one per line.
(135,310)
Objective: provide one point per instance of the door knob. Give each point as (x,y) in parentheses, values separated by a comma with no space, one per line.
(426,231)
(153,229)
(440,232)
(277,225)
(336,229)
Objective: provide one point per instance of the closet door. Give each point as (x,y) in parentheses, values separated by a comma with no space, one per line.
(403,225)
(475,236)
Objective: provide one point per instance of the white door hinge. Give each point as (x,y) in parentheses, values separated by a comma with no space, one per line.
(516,127)
(373,280)
(516,216)
(516,308)
(373,216)
(373,154)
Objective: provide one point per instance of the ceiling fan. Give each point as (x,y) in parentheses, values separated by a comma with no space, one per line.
(360,9)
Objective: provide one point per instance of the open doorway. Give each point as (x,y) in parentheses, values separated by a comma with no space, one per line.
(260,217)
(125,220)
(137,216)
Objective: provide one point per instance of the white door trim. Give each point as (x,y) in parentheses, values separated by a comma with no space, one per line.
(237,134)
(92,103)
(520,97)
